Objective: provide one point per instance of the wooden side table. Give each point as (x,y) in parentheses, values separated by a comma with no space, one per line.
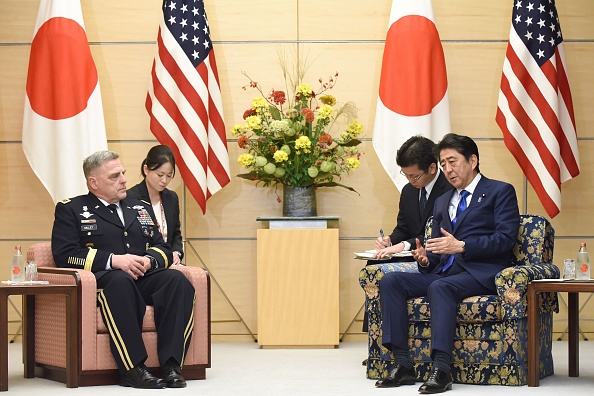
(298,286)
(573,288)
(72,338)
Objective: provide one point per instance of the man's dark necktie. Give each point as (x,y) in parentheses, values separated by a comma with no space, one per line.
(423,201)
(114,209)
(462,205)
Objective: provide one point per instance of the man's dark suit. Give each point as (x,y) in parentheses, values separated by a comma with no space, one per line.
(170,203)
(489,228)
(410,222)
(84,236)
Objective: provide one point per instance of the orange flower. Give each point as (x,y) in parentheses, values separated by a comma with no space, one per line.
(309,115)
(242,141)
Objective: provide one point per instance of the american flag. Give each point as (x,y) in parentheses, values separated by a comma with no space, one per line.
(535,109)
(184,99)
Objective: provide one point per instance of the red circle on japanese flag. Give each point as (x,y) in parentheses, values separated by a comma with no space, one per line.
(62,75)
(413,79)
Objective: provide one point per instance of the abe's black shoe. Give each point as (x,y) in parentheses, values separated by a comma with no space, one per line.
(140,377)
(439,381)
(398,375)
(172,376)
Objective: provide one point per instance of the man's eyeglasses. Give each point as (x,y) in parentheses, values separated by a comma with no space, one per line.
(412,178)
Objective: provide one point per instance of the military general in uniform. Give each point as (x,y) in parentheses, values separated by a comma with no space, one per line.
(118,240)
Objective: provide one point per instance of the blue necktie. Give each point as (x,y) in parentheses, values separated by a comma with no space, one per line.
(462,205)
(423,201)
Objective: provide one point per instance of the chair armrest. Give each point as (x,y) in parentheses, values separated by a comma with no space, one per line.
(370,276)
(512,286)
(87,293)
(199,351)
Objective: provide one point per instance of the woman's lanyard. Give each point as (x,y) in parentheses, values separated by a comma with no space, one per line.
(158,208)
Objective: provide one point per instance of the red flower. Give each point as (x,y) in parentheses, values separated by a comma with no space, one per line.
(242,141)
(249,113)
(309,115)
(278,97)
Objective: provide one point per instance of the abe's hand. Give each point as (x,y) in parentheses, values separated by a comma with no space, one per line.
(444,245)
(420,255)
(134,265)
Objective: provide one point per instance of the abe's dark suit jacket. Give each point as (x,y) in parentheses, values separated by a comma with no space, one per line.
(170,203)
(489,227)
(411,223)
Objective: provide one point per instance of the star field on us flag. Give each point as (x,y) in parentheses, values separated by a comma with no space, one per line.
(538,27)
(189,26)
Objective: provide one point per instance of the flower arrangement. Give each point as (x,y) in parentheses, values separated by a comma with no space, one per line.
(288,137)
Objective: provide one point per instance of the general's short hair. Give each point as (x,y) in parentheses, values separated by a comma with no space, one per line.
(95,160)
(418,150)
(462,144)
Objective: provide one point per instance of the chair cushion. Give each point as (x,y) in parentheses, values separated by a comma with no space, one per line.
(475,309)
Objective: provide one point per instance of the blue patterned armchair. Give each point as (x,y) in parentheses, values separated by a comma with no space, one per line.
(491,334)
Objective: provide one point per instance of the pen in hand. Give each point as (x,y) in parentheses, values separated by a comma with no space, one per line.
(382,236)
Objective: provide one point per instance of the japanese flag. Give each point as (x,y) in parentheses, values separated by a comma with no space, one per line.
(413,91)
(63,118)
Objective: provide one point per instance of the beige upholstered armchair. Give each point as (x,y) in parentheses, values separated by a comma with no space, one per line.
(95,361)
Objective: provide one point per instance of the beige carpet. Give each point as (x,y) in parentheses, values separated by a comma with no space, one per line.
(244,369)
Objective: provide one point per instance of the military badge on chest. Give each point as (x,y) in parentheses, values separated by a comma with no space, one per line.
(146,221)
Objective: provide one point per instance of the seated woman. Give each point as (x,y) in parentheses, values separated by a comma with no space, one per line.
(158,168)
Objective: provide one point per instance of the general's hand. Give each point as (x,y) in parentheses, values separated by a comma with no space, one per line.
(134,265)
(419,254)
(444,245)
(176,259)
(382,243)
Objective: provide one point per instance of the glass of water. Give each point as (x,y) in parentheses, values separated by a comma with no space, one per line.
(31,272)
(568,269)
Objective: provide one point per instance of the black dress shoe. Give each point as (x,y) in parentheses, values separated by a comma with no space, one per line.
(172,376)
(439,381)
(140,377)
(398,375)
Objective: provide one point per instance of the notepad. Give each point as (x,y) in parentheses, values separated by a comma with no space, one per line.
(368,255)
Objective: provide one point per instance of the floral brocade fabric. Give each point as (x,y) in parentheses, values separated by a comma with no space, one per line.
(491,335)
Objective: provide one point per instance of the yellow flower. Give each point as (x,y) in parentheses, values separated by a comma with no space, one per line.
(259,104)
(325,111)
(304,143)
(353,163)
(246,160)
(355,128)
(237,130)
(328,100)
(304,90)
(254,122)
(280,156)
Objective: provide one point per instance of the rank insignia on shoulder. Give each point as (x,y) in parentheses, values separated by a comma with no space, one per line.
(65,201)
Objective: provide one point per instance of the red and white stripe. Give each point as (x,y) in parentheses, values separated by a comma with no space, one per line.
(535,113)
(185,107)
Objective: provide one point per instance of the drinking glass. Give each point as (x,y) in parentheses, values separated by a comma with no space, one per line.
(31,272)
